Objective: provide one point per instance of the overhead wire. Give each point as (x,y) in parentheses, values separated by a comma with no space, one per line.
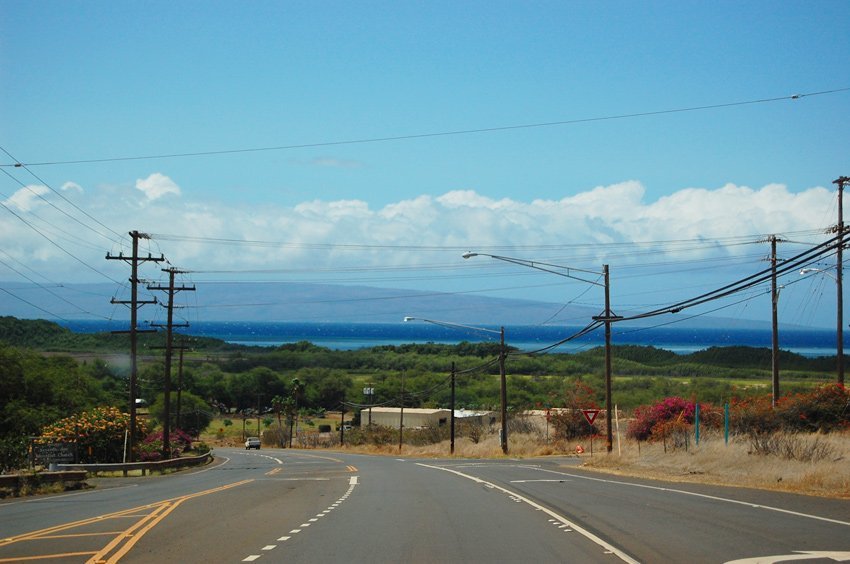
(66,200)
(368,140)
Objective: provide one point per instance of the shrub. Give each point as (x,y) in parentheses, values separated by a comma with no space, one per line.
(570,423)
(823,409)
(13,453)
(754,416)
(98,432)
(791,447)
(646,418)
(673,432)
(151,447)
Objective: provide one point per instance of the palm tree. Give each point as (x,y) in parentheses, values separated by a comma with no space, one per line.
(296,389)
(278,403)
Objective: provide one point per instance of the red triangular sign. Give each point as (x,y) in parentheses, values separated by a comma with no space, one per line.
(590,415)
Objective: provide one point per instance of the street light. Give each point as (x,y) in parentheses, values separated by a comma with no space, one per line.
(826,271)
(607,317)
(503,386)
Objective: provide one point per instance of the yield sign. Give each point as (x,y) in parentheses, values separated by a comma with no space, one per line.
(590,415)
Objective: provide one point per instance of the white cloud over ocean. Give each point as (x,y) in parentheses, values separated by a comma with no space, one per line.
(458,218)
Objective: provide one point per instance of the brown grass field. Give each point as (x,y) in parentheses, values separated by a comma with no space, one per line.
(810,464)
(827,474)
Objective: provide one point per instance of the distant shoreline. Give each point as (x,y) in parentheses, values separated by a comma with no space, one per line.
(353,336)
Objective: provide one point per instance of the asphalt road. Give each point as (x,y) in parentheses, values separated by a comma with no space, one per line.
(311,506)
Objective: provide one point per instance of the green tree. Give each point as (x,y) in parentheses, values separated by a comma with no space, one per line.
(196,414)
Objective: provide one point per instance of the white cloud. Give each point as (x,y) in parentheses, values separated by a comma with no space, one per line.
(156,186)
(68,186)
(320,234)
(27,198)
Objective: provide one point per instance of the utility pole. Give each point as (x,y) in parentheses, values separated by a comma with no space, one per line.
(401,415)
(608,423)
(181,348)
(840,182)
(774,299)
(166,419)
(503,389)
(607,317)
(134,304)
(452,429)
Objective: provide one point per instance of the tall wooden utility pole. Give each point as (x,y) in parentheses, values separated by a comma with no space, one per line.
(841,181)
(503,390)
(134,304)
(774,299)
(166,416)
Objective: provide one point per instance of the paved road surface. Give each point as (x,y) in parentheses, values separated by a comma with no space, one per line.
(312,506)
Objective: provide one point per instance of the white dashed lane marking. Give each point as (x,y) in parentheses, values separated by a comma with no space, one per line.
(352,483)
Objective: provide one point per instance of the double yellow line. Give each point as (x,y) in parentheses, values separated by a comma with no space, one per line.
(149,517)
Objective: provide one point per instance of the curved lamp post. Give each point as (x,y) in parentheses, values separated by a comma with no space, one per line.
(607,317)
(503,387)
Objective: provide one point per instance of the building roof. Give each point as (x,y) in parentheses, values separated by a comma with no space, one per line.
(423,411)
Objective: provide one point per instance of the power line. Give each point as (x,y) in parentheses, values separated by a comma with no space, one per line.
(434,134)
(66,200)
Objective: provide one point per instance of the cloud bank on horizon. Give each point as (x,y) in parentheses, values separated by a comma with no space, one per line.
(618,213)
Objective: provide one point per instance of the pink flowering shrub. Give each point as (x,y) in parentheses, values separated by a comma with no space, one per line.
(151,448)
(647,417)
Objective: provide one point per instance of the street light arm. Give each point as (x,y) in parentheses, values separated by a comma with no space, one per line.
(826,271)
(450,324)
(541,266)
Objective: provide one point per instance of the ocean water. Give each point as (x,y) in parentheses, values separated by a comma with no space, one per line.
(351,336)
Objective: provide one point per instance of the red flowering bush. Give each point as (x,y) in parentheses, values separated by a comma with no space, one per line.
(151,448)
(99,433)
(755,416)
(824,409)
(647,417)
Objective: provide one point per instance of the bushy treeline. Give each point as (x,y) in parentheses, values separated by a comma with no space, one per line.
(37,389)
(48,336)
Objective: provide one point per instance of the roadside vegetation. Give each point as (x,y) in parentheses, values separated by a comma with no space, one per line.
(57,385)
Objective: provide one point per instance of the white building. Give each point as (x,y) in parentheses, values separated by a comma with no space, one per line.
(418,417)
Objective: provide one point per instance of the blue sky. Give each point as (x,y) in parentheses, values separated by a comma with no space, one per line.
(96,81)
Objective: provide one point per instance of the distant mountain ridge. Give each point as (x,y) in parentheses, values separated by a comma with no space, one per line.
(319,303)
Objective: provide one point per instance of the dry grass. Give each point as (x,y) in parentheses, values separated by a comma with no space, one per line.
(712,462)
(827,474)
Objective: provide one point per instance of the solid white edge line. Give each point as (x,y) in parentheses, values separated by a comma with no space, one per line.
(584,532)
(704,496)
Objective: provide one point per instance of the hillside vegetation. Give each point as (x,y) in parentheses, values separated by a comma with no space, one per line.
(48,372)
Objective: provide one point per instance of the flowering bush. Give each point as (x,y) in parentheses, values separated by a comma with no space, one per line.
(648,416)
(755,416)
(99,433)
(151,448)
(824,409)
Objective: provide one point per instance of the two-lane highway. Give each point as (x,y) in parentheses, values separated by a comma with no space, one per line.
(310,506)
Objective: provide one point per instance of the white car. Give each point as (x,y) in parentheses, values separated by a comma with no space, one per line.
(252,442)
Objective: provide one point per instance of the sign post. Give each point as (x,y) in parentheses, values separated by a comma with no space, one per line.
(590,416)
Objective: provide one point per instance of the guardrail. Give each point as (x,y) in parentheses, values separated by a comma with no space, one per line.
(145,467)
(17,482)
